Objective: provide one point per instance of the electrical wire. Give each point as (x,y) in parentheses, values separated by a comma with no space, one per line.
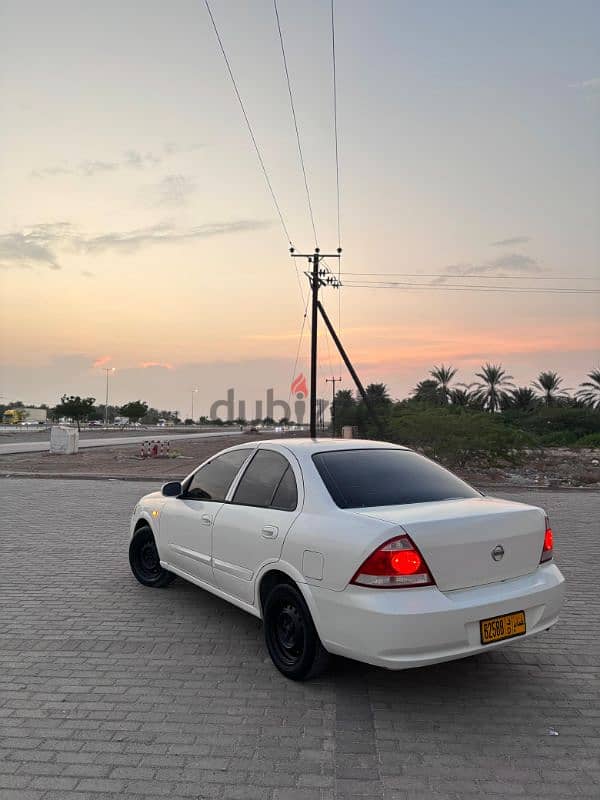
(299,279)
(337,165)
(469,288)
(335,124)
(299,346)
(249,126)
(480,277)
(339,309)
(339,320)
(289,85)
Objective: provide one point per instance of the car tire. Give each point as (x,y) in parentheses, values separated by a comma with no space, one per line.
(145,561)
(290,635)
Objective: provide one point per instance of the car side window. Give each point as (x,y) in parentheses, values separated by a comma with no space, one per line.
(286,496)
(212,481)
(267,482)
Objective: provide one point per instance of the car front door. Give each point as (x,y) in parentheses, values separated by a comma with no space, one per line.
(250,529)
(187,521)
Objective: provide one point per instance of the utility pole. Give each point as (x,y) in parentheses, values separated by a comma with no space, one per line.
(108,370)
(194,391)
(318,277)
(333,381)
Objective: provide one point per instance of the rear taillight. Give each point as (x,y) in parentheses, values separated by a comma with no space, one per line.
(396,564)
(547,549)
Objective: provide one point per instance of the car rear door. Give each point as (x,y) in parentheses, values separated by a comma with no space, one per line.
(187,521)
(250,529)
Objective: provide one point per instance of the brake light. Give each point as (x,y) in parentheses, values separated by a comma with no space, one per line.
(396,564)
(547,549)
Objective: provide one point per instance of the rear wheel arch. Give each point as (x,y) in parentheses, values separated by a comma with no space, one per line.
(280,573)
(268,581)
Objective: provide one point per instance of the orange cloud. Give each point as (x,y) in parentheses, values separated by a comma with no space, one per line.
(100,362)
(161,364)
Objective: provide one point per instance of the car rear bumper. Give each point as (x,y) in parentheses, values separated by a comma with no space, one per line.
(402,628)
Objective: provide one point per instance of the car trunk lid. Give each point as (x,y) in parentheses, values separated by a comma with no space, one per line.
(471,542)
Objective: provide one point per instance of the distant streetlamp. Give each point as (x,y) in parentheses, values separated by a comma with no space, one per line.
(109,371)
(194,391)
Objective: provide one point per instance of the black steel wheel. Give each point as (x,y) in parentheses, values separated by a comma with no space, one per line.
(145,561)
(290,634)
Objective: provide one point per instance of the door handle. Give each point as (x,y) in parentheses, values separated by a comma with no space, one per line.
(270,531)
(206,519)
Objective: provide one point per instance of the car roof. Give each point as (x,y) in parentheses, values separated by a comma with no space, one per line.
(306,446)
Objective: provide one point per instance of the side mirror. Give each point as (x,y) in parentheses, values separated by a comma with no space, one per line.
(172,489)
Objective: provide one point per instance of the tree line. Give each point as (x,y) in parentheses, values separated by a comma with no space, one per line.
(490,418)
(84,409)
(494,391)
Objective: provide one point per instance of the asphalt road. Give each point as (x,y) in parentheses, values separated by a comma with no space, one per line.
(113,691)
(43,445)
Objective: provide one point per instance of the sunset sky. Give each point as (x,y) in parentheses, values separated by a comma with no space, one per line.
(136,230)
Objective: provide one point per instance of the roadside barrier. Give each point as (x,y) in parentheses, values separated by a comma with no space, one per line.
(154,449)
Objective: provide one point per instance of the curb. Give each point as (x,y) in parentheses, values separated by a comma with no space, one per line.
(164,478)
(87,477)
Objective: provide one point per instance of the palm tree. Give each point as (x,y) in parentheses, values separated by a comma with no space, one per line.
(465,395)
(494,386)
(589,393)
(378,395)
(549,385)
(523,399)
(461,397)
(443,375)
(429,391)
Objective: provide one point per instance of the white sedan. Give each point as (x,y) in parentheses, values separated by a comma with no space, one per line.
(360,548)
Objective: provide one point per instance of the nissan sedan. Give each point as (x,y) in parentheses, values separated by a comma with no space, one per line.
(358,548)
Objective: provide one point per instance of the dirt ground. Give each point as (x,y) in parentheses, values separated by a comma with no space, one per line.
(558,467)
(124,461)
(555,468)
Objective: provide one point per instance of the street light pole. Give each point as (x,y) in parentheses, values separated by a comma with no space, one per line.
(108,370)
(194,391)
(333,381)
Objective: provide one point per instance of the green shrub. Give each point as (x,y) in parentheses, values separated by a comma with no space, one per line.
(545,420)
(558,439)
(591,440)
(458,436)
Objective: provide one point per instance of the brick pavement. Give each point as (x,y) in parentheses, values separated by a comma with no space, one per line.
(112,690)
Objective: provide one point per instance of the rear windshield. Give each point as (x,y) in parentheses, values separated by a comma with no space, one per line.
(363,478)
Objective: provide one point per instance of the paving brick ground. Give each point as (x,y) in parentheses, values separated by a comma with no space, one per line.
(111,690)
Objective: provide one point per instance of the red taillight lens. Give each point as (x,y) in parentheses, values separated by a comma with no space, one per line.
(547,549)
(394,565)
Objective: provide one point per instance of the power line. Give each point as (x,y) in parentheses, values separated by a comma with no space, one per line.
(337,163)
(289,85)
(299,347)
(469,288)
(252,136)
(335,125)
(299,279)
(339,305)
(480,277)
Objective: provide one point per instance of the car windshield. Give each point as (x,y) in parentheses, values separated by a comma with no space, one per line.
(372,477)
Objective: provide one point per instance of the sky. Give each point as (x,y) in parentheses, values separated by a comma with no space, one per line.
(137,232)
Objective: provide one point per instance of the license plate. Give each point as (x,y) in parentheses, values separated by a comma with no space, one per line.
(495,629)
